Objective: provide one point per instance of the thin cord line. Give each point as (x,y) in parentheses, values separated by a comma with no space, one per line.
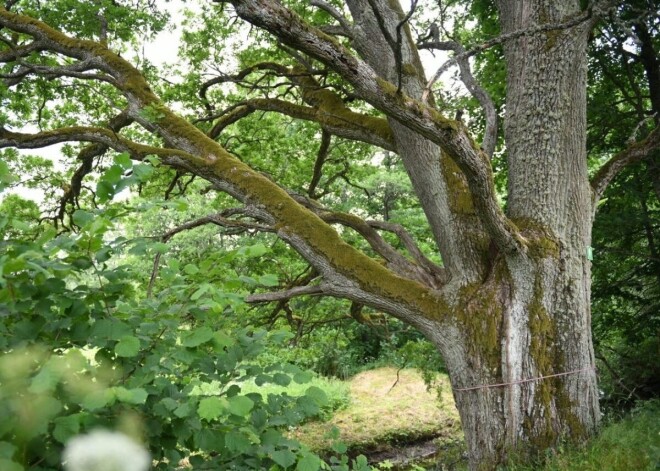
(538,378)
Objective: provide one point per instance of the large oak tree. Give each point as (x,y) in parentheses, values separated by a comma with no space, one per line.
(509,307)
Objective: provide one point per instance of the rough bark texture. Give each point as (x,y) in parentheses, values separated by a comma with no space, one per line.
(509,312)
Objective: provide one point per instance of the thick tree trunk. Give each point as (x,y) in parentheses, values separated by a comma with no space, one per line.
(528,324)
(532,316)
(522,362)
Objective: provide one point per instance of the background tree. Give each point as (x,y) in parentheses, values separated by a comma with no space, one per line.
(508,306)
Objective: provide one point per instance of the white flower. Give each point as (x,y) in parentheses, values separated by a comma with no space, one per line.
(102,450)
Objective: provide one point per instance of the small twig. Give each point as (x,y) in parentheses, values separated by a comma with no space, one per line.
(526,380)
(103,33)
(397,377)
(476,90)
(333,12)
(633,134)
(536,29)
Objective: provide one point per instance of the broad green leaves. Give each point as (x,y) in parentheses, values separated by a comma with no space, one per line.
(88,351)
(128,346)
(122,174)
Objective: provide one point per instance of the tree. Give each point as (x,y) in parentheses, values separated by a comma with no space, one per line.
(508,308)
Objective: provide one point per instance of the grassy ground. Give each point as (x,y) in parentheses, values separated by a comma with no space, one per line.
(382,413)
(632,444)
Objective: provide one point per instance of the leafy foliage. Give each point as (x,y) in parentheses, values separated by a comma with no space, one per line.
(82,348)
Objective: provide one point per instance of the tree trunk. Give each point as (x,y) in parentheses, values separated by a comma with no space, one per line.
(528,322)
(531,319)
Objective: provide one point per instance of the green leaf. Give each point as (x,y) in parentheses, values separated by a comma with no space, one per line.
(191,269)
(131,396)
(110,329)
(302,377)
(66,427)
(7,450)
(128,346)
(123,160)
(196,337)
(339,447)
(8,465)
(268,280)
(211,408)
(203,289)
(281,379)
(318,395)
(207,439)
(284,458)
(98,399)
(361,463)
(240,405)
(169,403)
(309,462)
(184,410)
(142,171)
(81,218)
(45,380)
(236,441)
(222,340)
(256,250)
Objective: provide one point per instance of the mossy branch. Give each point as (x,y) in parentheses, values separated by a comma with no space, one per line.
(634,153)
(452,136)
(341,122)
(103,136)
(349,273)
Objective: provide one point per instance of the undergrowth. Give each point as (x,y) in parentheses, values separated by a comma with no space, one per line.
(631,444)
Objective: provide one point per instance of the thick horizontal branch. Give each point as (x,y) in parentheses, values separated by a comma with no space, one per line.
(15,52)
(341,122)
(78,70)
(221,219)
(99,135)
(417,116)
(279,69)
(634,153)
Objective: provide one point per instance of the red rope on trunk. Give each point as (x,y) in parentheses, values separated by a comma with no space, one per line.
(499,385)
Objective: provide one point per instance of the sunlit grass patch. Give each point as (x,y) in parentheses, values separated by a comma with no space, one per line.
(382,412)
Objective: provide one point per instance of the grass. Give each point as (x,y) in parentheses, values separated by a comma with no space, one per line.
(381,413)
(632,444)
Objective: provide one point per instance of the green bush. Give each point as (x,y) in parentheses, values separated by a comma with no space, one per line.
(82,348)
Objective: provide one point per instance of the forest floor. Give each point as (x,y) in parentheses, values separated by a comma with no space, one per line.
(391,417)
